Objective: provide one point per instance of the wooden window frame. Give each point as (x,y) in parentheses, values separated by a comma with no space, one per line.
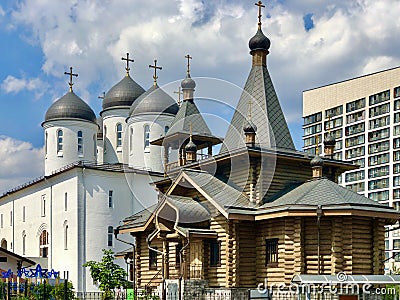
(271,252)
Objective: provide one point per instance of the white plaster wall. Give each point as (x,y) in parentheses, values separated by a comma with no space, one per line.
(55,160)
(112,117)
(152,157)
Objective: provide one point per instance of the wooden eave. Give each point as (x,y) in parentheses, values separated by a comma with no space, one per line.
(177,139)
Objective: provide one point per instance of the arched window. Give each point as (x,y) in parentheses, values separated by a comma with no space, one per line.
(23,242)
(44,244)
(119,135)
(105,139)
(146,136)
(45,142)
(80,142)
(110,236)
(65,237)
(166,128)
(65,201)
(59,140)
(4,244)
(94,146)
(131,141)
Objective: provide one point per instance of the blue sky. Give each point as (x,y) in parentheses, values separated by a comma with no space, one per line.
(312,43)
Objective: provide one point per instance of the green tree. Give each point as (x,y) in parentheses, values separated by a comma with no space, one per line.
(59,290)
(106,273)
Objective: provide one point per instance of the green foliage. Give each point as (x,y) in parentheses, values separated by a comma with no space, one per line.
(2,289)
(108,274)
(144,295)
(58,291)
(42,291)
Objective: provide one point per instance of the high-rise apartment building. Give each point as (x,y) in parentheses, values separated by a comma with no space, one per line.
(363,113)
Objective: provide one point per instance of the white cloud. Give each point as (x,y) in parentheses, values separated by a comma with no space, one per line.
(15,85)
(2,12)
(20,162)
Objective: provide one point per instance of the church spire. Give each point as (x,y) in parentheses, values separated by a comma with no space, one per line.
(266,113)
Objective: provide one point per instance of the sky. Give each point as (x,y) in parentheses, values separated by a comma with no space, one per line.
(313,43)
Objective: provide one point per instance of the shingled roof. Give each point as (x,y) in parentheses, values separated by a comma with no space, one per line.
(266,114)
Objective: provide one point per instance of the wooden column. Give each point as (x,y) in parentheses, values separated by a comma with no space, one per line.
(166,158)
(166,258)
(378,241)
(230,253)
(209,150)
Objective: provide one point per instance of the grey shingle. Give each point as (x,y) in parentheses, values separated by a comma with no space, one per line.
(266,114)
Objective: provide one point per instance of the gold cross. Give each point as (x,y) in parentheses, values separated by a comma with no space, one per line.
(155,67)
(260,5)
(70,83)
(127,62)
(188,57)
(102,96)
(179,92)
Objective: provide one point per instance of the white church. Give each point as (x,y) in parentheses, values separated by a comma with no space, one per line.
(97,172)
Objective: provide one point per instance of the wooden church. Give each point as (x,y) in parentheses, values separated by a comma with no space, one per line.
(256,210)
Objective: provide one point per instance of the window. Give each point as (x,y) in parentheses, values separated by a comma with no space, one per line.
(271,251)
(1,220)
(354,141)
(379,110)
(65,201)
(166,128)
(359,162)
(23,213)
(378,159)
(354,105)
(311,140)
(334,123)
(215,258)
(110,232)
(396,130)
(379,184)
(378,147)
(119,135)
(355,152)
(380,97)
(396,168)
(396,143)
(43,206)
(152,259)
(313,129)
(356,187)
(59,140)
(355,117)
(396,155)
(105,140)
(379,122)
(378,135)
(379,196)
(65,236)
(80,142)
(336,111)
(354,176)
(146,136)
(110,199)
(396,244)
(354,129)
(396,181)
(396,92)
(46,136)
(336,133)
(178,249)
(44,243)
(94,146)
(378,172)
(313,118)
(23,242)
(396,194)
(11,218)
(131,141)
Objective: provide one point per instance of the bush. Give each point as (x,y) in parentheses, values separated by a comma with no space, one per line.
(59,289)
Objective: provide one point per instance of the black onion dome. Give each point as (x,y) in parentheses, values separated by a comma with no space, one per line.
(317,161)
(154,101)
(259,42)
(330,140)
(249,126)
(123,93)
(190,147)
(70,106)
(188,83)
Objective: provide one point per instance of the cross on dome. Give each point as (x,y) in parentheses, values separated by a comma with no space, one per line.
(70,83)
(127,63)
